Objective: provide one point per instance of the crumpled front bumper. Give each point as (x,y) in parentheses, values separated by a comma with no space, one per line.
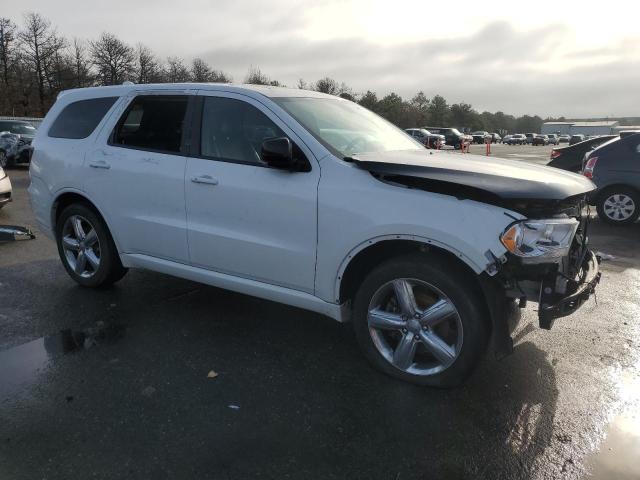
(552,305)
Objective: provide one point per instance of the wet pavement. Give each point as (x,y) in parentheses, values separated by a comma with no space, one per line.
(116,383)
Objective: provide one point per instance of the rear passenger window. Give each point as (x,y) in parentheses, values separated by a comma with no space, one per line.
(79,119)
(153,122)
(234,130)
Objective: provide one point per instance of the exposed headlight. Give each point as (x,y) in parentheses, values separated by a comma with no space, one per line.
(549,238)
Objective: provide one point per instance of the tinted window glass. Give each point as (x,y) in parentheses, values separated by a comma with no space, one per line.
(79,119)
(152,123)
(22,128)
(234,130)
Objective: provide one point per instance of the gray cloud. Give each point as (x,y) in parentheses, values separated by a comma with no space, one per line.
(497,67)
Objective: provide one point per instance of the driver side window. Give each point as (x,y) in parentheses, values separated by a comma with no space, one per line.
(233,130)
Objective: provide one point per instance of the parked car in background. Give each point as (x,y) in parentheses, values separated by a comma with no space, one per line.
(481,137)
(516,139)
(530,137)
(425,137)
(341,213)
(452,136)
(576,139)
(540,140)
(614,167)
(8,148)
(25,132)
(496,138)
(553,139)
(5,188)
(564,138)
(570,158)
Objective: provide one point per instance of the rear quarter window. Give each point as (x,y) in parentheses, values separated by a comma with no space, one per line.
(79,119)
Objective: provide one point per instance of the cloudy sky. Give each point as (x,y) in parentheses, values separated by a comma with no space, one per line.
(546,57)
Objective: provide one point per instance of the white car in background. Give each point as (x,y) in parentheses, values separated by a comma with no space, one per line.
(311,200)
(5,188)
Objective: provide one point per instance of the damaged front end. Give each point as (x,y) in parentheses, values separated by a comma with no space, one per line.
(559,281)
(547,258)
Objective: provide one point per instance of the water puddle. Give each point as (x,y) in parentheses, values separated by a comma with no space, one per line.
(21,365)
(617,457)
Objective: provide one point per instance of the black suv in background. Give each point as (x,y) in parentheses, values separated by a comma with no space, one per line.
(615,168)
(425,137)
(452,135)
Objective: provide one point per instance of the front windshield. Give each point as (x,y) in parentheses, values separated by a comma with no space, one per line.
(18,127)
(345,127)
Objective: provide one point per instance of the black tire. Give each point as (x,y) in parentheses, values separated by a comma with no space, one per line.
(110,269)
(632,194)
(460,290)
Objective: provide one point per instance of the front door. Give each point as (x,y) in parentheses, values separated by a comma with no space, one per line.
(244,218)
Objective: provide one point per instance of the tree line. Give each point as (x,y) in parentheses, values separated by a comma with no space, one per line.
(37,62)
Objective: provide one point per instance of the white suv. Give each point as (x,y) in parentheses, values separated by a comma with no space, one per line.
(311,200)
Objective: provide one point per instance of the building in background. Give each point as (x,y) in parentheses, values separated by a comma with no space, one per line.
(574,128)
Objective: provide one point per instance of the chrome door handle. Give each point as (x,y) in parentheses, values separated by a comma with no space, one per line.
(208,179)
(99,164)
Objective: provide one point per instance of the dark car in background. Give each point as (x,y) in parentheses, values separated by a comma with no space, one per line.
(576,139)
(530,137)
(425,137)
(615,169)
(452,136)
(570,158)
(25,133)
(540,140)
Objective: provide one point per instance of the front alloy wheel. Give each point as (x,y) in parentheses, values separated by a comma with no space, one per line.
(415,326)
(421,318)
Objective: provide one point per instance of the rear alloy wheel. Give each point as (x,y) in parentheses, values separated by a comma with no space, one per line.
(418,319)
(619,206)
(86,248)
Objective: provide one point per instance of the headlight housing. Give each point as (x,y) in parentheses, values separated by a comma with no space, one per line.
(540,239)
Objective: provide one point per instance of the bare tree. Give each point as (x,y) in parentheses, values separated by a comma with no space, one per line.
(201,72)
(7,39)
(80,64)
(256,77)
(147,66)
(40,44)
(302,85)
(113,59)
(327,85)
(176,71)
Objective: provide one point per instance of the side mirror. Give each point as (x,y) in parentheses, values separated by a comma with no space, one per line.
(278,153)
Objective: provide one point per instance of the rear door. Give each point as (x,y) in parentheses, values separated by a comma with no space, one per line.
(135,174)
(244,218)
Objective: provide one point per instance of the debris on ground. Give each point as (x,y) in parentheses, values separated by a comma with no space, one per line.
(10,233)
(212,374)
(148,391)
(234,407)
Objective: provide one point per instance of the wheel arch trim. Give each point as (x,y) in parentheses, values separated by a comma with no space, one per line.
(80,193)
(353,253)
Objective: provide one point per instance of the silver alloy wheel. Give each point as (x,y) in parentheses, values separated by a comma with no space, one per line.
(619,207)
(81,246)
(415,326)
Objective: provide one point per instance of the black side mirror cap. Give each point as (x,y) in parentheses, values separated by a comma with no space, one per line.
(278,153)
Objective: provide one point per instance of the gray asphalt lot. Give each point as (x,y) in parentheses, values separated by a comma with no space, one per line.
(114,383)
